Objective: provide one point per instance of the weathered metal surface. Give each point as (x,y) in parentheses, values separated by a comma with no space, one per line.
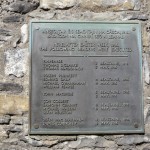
(86,78)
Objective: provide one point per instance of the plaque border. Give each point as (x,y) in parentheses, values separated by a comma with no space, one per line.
(47,132)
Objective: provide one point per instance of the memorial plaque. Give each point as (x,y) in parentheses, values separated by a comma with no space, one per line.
(86,78)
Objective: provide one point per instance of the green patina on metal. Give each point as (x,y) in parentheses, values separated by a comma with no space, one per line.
(86,78)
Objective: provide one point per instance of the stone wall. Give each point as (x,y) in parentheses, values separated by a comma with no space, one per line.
(14,73)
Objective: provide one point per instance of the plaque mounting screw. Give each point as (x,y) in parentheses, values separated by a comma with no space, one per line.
(37,28)
(133,29)
(136,125)
(36,126)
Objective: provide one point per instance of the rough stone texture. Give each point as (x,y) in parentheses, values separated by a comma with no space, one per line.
(41,15)
(90,142)
(147,147)
(3,134)
(17,120)
(13,104)
(4,119)
(22,7)
(24,33)
(11,87)
(88,15)
(46,4)
(46,141)
(16,61)
(94,5)
(130,140)
(147,120)
(55,138)
(15,16)
(4,32)
(146,37)
(146,69)
(13,141)
(12,19)
(137,16)
(14,128)
(4,35)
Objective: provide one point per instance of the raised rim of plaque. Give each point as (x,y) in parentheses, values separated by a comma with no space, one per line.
(40,131)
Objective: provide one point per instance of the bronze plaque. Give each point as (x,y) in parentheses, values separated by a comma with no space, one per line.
(86,78)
